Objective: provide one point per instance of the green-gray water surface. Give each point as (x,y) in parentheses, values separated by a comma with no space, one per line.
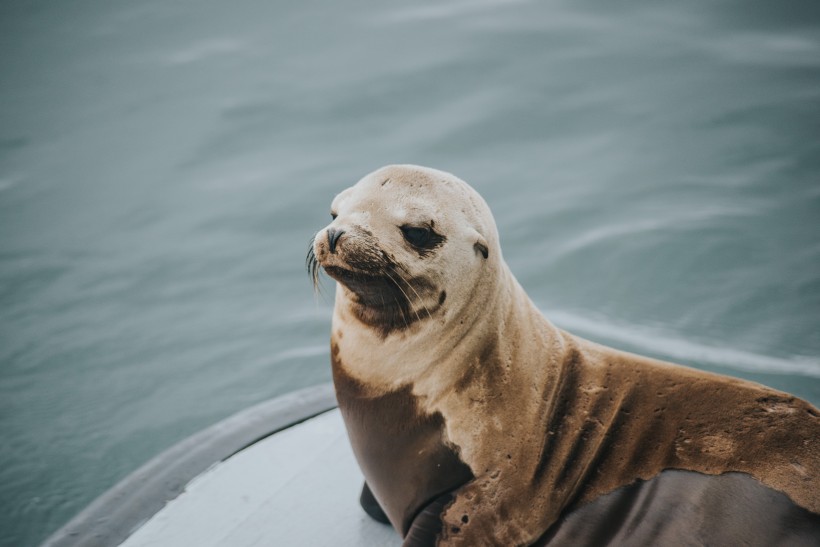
(653,169)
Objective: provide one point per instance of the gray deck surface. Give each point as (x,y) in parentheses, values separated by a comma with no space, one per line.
(297,487)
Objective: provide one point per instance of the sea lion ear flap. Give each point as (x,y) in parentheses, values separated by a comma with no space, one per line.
(480,244)
(481,247)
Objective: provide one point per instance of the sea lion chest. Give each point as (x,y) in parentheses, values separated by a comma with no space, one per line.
(401,449)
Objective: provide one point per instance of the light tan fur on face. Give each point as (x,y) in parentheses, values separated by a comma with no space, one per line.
(542,418)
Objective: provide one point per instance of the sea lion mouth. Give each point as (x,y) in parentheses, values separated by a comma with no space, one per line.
(381,301)
(379,291)
(383,296)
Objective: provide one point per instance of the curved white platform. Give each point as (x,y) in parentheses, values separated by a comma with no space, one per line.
(297,487)
(278,473)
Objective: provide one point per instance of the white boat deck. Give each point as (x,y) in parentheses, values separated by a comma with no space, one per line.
(299,486)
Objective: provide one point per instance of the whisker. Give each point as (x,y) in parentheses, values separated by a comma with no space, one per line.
(401,312)
(409,301)
(412,288)
(312,266)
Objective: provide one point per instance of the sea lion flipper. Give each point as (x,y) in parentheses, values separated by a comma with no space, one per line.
(427,526)
(371,505)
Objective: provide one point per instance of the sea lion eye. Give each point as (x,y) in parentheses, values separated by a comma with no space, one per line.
(419,237)
(333,215)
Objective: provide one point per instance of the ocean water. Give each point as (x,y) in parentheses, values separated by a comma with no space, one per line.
(654,170)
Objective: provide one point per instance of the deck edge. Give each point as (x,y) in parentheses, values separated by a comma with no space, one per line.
(120,511)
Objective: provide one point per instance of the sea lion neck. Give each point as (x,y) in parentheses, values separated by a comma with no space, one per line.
(493,348)
(428,348)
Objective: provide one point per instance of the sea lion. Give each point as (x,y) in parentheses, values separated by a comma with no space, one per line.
(477,422)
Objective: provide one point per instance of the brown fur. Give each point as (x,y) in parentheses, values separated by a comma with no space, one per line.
(401,449)
(608,419)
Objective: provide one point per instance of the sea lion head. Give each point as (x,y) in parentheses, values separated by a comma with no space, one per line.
(407,245)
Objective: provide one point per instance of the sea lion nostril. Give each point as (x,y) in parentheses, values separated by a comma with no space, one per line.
(333,236)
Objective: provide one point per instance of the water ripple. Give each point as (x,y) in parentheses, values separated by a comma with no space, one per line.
(205,50)
(614,230)
(449,10)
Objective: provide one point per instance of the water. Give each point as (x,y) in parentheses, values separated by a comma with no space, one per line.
(653,170)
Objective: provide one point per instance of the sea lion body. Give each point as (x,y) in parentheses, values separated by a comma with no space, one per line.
(477,422)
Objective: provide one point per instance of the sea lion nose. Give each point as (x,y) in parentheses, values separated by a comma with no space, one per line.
(333,236)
